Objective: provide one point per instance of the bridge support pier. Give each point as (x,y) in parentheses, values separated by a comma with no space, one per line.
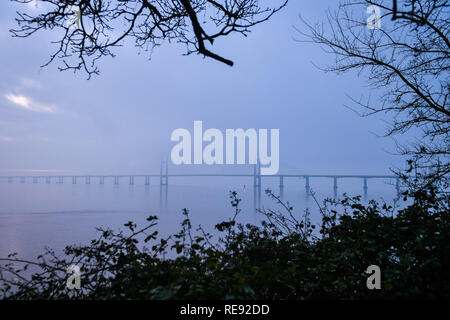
(163,197)
(131,180)
(116,180)
(257,186)
(397,187)
(256,176)
(281,187)
(147,180)
(60,180)
(102,180)
(74,180)
(88,180)
(335,187)
(365,187)
(307,186)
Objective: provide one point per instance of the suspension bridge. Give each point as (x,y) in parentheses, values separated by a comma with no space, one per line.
(164,176)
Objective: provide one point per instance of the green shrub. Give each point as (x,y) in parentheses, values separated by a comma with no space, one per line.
(286,257)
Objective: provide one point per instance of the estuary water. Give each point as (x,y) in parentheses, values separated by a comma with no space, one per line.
(33,216)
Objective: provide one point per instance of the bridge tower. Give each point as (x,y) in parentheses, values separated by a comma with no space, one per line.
(163,185)
(164,173)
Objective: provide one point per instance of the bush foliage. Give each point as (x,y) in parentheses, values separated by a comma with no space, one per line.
(285,257)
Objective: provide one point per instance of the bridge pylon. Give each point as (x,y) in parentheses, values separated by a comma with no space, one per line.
(164,173)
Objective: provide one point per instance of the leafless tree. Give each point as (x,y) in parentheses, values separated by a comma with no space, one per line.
(105,24)
(407,61)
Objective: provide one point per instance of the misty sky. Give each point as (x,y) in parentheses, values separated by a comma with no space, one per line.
(121,121)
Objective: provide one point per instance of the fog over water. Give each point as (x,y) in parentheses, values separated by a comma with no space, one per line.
(33,216)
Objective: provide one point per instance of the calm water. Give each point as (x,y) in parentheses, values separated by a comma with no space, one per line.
(33,216)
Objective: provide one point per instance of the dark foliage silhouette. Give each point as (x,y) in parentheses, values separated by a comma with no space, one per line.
(286,257)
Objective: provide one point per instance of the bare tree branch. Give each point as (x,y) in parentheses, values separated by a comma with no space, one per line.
(407,61)
(104,25)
